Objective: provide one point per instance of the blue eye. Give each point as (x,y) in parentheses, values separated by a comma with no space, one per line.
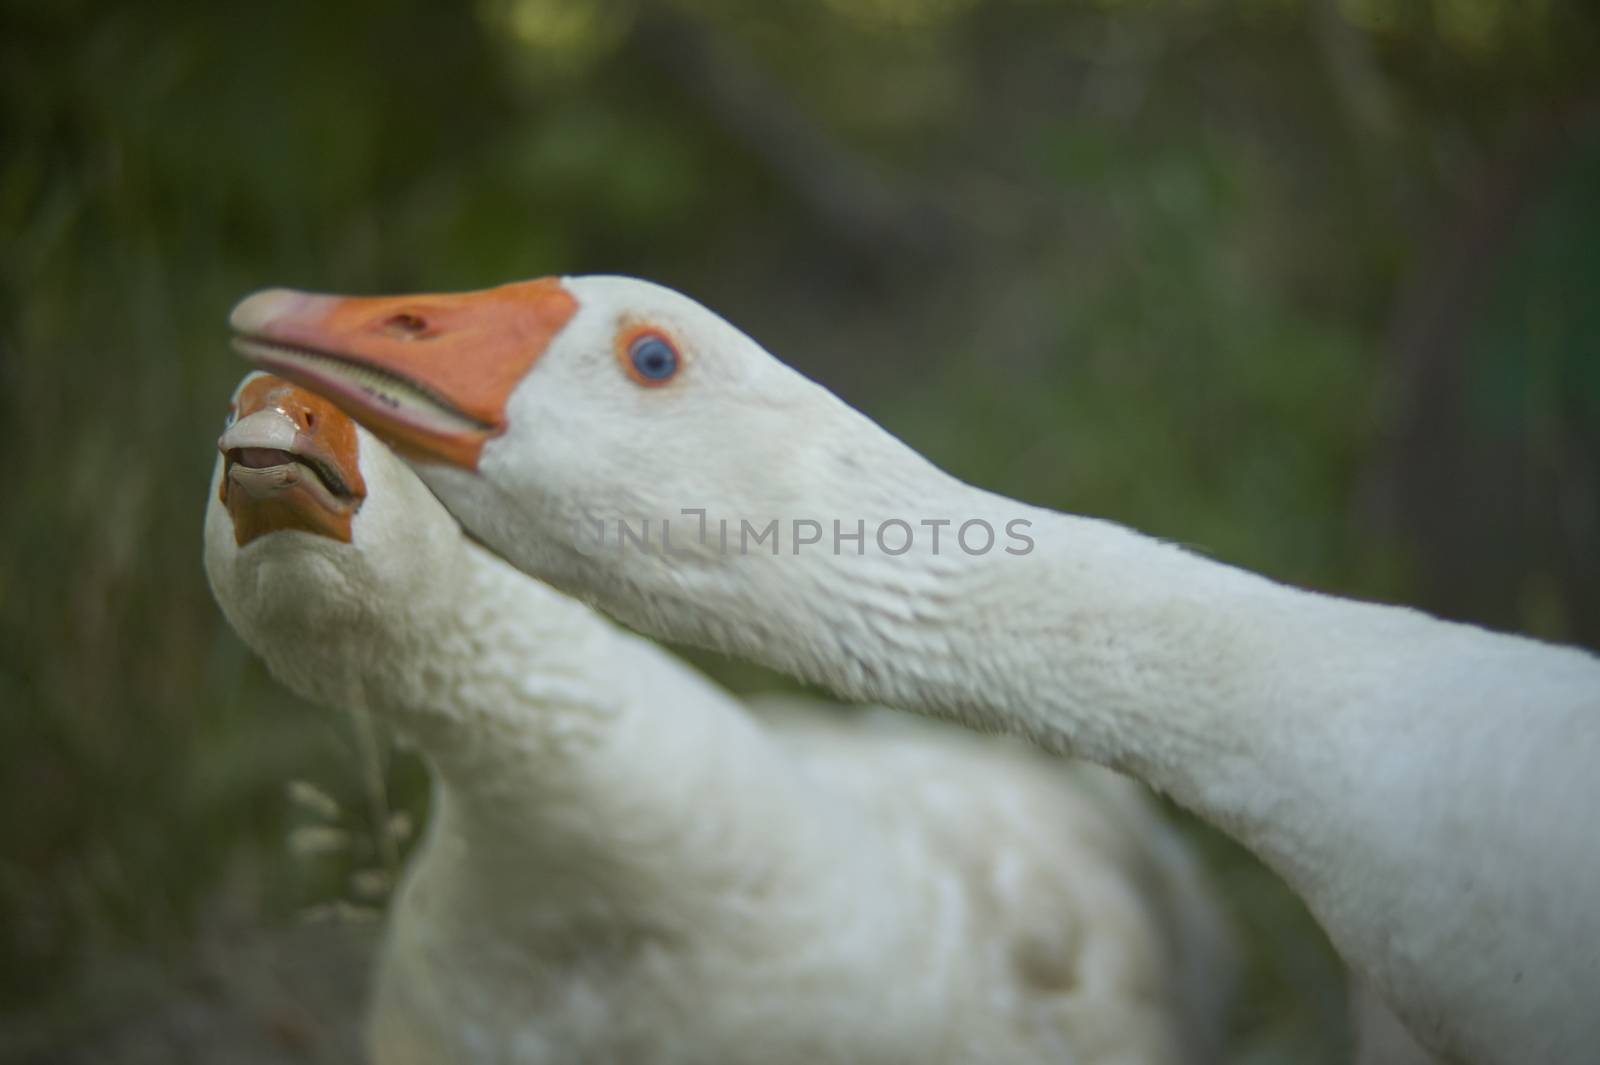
(654,360)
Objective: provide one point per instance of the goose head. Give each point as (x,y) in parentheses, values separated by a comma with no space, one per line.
(314,529)
(549,414)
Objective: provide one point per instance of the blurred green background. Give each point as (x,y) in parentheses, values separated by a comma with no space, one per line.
(1310,285)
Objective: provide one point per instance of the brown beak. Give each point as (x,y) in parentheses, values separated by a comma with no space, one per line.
(429,374)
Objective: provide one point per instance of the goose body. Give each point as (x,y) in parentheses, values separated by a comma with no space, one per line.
(625,864)
(1424,786)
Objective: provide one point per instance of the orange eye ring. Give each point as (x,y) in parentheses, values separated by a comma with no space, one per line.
(648,356)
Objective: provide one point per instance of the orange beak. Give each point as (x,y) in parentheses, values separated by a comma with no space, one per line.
(289,462)
(429,374)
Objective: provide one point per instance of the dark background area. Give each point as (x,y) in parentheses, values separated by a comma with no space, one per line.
(1310,285)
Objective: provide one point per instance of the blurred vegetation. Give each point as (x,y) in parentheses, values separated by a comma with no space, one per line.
(1310,285)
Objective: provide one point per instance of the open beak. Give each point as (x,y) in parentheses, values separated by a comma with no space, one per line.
(290,461)
(429,374)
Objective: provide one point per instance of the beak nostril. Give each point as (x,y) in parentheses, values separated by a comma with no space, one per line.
(405,325)
(311,420)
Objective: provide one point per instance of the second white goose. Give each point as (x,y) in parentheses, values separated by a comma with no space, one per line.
(625,865)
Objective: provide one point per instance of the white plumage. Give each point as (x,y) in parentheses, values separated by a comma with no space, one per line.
(626,865)
(1426,787)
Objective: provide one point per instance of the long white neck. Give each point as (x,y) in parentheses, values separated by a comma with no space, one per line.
(1419,783)
(577,766)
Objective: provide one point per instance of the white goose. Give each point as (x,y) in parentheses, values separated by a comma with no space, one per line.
(625,865)
(1426,787)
